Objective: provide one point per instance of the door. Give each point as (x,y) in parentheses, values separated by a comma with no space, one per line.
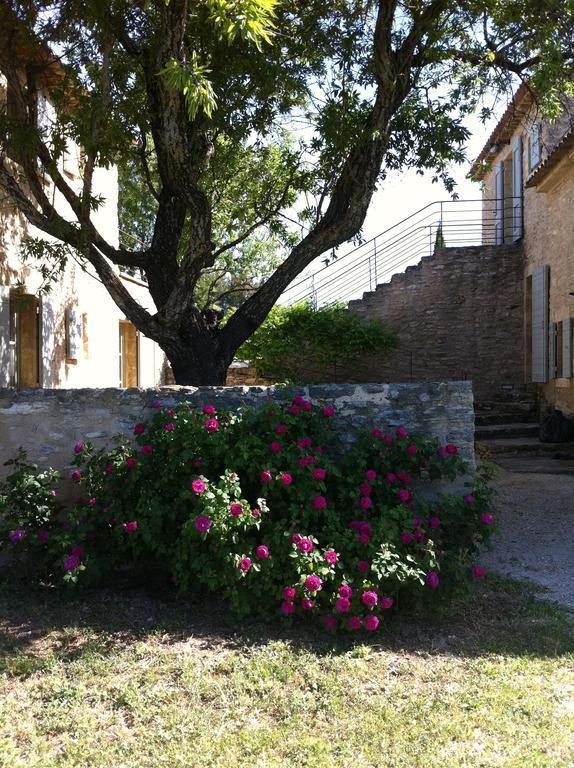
(499,204)
(24,340)
(128,354)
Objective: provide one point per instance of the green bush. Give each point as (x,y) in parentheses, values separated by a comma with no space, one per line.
(302,345)
(261,509)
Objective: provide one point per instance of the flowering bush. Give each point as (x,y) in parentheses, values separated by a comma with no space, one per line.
(259,508)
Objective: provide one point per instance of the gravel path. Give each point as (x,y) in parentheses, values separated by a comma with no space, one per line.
(536,537)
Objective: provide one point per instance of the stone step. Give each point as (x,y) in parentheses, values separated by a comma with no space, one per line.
(525,445)
(496,431)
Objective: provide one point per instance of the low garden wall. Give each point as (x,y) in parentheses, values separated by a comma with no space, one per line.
(48,422)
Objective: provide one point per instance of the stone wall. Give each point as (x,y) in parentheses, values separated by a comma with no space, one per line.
(47,423)
(458,315)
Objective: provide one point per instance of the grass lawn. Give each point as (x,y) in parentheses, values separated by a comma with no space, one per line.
(133,681)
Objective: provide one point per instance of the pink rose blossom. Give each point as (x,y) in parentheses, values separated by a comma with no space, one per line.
(370,599)
(370,475)
(289,593)
(169,427)
(307,604)
(147,450)
(434,522)
(211,425)
(294,410)
(331,556)
(469,499)
(404,496)
(313,583)
(330,622)
(364,539)
(286,478)
(319,474)
(391,477)
(76,476)
(256,512)
(363,566)
(388,439)
(198,486)
(139,429)
(17,535)
(71,562)
(78,551)
(92,502)
(328,411)
(386,602)
(262,552)
(236,509)
(287,607)
(420,535)
(108,469)
(442,452)
(407,538)
(411,450)
(52,492)
(208,410)
(343,605)
(131,527)
(156,404)
(319,502)
(305,545)
(296,538)
(404,477)
(275,446)
(432,580)
(417,521)
(377,434)
(365,502)
(365,489)
(487,518)
(401,433)
(245,564)
(78,448)
(478,572)
(280,429)
(306,405)
(43,536)
(305,442)
(266,476)
(345,591)
(371,623)
(355,623)
(202,523)
(131,462)
(451,449)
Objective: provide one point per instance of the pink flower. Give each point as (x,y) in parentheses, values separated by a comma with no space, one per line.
(131,527)
(287,607)
(365,502)
(256,512)
(363,566)
(294,410)
(411,450)
(289,593)
(198,486)
(432,580)
(401,433)
(76,476)
(92,502)
(328,411)
(266,476)
(330,622)
(434,522)
(442,452)
(354,623)
(245,564)
(407,538)
(131,462)
(304,545)
(286,478)
(156,404)
(78,551)
(307,604)
(319,502)
(43,536)
(487,518)
(262,552)
(208,410)
(331,556)
(71,562)
(313,583)
(417,521)
(420,535)
(196,462)
(171,413)
(386,602)
(296,538)
(451,449)
(371,623)
(169,426)
(345,591)
(391,477)
(404,496)
(364,539)
(370,475)
(343,605)
(478,572)
(280,429)
(236,509)
(404,477)
(78,448)
(147,450)
(306,405)
(370,599)
(469,499)
(319,474)
(305,442)
(377,434)
(53,492)
(202,523)
(388,439)
(17,535)
(108,469)
(211,425)
(365,489)
(275,446)
(139,429)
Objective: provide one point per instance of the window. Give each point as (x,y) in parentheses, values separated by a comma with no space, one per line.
(534,146)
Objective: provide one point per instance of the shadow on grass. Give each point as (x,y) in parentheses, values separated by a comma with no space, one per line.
(39,627)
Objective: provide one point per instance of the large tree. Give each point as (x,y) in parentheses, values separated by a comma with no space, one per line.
(195,88)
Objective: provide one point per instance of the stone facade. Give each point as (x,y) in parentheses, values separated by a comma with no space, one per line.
(47,423)
(457,315)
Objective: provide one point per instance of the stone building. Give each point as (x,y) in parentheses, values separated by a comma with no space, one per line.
(73,336)
(527,171)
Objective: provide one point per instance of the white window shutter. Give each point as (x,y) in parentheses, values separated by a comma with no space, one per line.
(567,348)
(5,347)
(552,350)
(517,188)
(499,204)
(540,287)
(535,153)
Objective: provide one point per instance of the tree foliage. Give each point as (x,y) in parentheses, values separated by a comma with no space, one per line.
(308,101)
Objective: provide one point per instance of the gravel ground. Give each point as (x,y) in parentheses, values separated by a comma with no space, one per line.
(535,541)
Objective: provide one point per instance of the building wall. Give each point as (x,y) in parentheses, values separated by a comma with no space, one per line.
(457,315)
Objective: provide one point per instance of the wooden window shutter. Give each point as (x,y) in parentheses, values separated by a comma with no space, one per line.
(499,204)
(517,188)
(567,348)
(534,142)
(540,287)
(553,350)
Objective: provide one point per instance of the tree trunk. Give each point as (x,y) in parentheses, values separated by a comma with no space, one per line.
(196,368)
